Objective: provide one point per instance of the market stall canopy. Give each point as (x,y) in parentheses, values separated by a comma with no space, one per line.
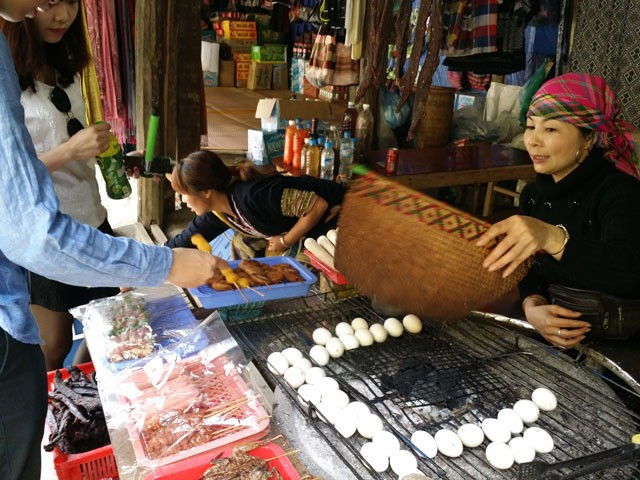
(407,250)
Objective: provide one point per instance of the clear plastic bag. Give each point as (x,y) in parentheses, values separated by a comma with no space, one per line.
(190,397)
(390,101)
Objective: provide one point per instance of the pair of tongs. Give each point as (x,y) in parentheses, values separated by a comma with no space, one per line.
(614,457)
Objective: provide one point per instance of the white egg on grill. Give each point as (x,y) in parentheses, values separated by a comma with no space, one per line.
(277,363)
(448,443)
(539,438)
(393,326)
(321,336)
(359,323)
(545,399)
(327,412)
(495,430)
(375,457)
(349,341)
(412,323)
(309,394)
(357,409)
(335,347)
(471,435)
(292,355)
(379,333)
(387,441)
(368,425)
(327,384)
(527,410)
(499,455)
(523,451)
(365,337)
(294,377)
(320,355)
(303,364)
(314,374)
(345,424)
(511,419)
(343,328)
(335,397)
(402,462)
(425,442)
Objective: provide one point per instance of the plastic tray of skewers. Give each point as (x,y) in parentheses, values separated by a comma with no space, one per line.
(268,278)
(264,461)
(199,406)
(134,326)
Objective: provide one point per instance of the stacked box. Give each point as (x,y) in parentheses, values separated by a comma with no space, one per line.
(269,53)
(260,76)
(280,77)
(243,65)
(237,30)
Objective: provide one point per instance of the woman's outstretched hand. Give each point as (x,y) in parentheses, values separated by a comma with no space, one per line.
(522,237)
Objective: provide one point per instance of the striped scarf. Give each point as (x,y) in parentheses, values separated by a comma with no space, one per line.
(586,101)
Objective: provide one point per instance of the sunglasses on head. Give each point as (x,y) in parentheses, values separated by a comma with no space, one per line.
(61,101)
(47,6)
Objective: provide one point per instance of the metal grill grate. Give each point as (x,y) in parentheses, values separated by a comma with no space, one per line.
(447,377)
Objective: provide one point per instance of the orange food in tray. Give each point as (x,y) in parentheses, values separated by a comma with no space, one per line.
(251,273)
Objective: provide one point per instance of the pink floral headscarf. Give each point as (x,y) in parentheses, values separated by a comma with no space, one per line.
(587,101)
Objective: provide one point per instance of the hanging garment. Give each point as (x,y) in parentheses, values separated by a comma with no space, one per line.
(471,26)
(606,43)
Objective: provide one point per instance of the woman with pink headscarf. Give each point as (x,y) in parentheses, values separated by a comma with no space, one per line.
(581,217)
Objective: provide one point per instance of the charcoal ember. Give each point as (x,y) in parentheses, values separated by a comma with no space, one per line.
(75,416)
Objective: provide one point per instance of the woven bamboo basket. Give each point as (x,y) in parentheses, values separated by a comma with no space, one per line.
(415,253)
(435,124)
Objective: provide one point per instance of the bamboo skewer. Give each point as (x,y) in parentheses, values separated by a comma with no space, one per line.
(241,292)
(286,454)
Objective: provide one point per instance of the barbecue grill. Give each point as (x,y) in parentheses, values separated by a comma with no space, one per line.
(442,378)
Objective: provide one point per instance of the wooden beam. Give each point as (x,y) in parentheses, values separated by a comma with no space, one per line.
(167,77)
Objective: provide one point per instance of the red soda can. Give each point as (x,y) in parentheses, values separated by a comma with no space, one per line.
(391,164)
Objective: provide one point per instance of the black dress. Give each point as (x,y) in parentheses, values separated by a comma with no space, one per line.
(266,207)
(600,207)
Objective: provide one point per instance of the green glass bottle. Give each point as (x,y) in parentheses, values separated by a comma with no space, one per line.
(113,171)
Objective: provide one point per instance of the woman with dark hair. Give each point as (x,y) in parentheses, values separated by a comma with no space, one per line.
(580,217)
(50,51)
(272,214)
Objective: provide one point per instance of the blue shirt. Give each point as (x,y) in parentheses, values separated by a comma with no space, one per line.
(34,235)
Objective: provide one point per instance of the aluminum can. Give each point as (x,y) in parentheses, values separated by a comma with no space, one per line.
(391,164)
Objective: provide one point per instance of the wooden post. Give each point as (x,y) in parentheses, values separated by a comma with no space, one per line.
(167,77)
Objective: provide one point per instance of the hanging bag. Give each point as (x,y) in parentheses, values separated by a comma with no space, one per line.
(322,63)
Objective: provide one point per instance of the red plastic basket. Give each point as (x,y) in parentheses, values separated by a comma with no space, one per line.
(96,464)
(332,274)
(196,466)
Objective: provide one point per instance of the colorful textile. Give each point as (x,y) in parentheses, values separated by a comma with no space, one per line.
(295,202)
(607,43)
(587,101)
(471,27)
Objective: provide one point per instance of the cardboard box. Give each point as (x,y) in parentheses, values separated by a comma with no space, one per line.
(263,147)
(240,30)
(243,65)
(280,77)
(269,53)
(226,74)
(260,76)
(274,113)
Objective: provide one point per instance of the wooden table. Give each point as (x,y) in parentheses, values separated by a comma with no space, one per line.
(451,165)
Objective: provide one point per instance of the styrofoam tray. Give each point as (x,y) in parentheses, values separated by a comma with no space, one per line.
(209,298)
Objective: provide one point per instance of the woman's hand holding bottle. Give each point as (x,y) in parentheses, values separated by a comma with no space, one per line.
(89,142)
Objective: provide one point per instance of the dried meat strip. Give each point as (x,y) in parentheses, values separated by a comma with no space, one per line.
(408,80)
(428,69)
(403,32)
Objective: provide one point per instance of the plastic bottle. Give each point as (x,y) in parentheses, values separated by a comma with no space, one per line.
(288,143)
(113,171)
(327,161)
(313,158)
(346,156)
(304,155)
(298,142)
(349,119)
(364,134)
(333,136)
